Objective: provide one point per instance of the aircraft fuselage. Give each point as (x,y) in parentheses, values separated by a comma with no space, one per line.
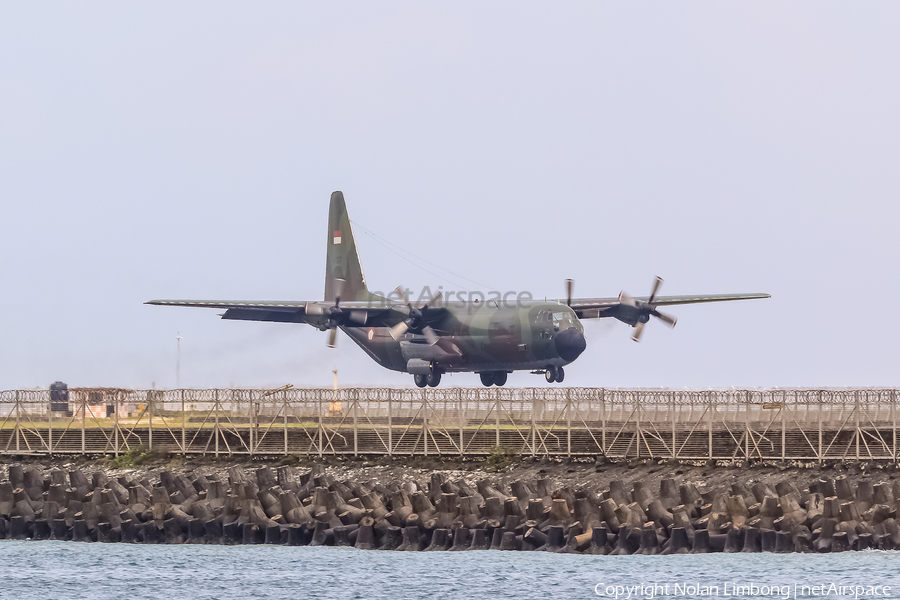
(481,337)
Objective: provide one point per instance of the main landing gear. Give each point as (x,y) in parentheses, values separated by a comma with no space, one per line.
(431,380)
(554,374)
(489,378)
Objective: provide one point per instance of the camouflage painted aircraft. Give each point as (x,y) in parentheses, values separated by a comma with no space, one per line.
(489,336)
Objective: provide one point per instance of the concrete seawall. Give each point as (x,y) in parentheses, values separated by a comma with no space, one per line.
(292,506)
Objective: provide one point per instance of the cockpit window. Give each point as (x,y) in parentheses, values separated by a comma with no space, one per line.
(562,320)
(548,320)
(542,316)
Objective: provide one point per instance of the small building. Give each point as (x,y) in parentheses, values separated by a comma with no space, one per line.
(100,403)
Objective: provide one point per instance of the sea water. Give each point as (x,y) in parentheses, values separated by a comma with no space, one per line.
(49,569)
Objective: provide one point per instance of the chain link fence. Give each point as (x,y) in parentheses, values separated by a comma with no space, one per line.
(732,424)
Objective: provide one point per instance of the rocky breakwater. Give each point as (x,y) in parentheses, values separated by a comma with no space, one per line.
(280,506)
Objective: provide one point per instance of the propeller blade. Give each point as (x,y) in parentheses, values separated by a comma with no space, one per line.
(436,300)
(399,330)
(570,287)
(332,337)
(338,289)
(638,331)
(401,291)
(430,335)
(626,300)
(667,319)
(657,281)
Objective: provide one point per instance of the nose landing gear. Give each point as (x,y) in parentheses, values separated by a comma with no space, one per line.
(554,374)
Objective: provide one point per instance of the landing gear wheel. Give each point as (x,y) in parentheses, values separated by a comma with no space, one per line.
(433,380)
(550,374)
(421,380)
(499,378)
(560,374)
(487,378)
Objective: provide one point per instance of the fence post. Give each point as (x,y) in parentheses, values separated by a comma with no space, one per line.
(321,423)
(674,420)
(355,406)
(856,411)
(183,427)
(425,419)
(116,422)
(603,421)
(50,425)
(710,421)
(390,424)
(151,399)
(783,425)
(83,412)
(533,429)
(821,406)
(637,425)
(252,414)
(497,414)
(255,410)
(285,423)
(17,421)
(894,425)
(216,427)
(747,406)
(568,424)
(461,447)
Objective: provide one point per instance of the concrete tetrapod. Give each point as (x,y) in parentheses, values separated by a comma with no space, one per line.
(410,540)
(393,537)
(599,541)
(701,542)
(279,506)
(480,540)
(678,543)
(461,539)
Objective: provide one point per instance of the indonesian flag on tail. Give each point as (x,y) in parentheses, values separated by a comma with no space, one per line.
(337,237)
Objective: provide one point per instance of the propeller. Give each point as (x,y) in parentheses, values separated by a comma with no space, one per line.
(416,319)
(645,310)
(570,287)
(336,315)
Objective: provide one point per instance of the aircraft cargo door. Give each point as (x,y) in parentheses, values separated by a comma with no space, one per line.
(504,336)
(541,323)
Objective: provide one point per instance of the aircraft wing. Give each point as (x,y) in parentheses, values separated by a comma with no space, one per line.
(596,308)
(277,304)
(244,310)
(673,300)
(282,311)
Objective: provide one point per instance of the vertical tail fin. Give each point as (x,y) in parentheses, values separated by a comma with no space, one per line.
(342,259)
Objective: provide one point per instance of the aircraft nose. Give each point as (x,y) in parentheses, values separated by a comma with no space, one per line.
(570,343)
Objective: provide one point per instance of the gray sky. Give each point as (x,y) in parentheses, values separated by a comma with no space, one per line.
(164,150)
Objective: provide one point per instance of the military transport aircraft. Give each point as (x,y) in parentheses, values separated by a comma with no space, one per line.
(426,339)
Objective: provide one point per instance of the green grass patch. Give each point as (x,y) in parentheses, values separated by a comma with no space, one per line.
(134,457)
(500,458)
